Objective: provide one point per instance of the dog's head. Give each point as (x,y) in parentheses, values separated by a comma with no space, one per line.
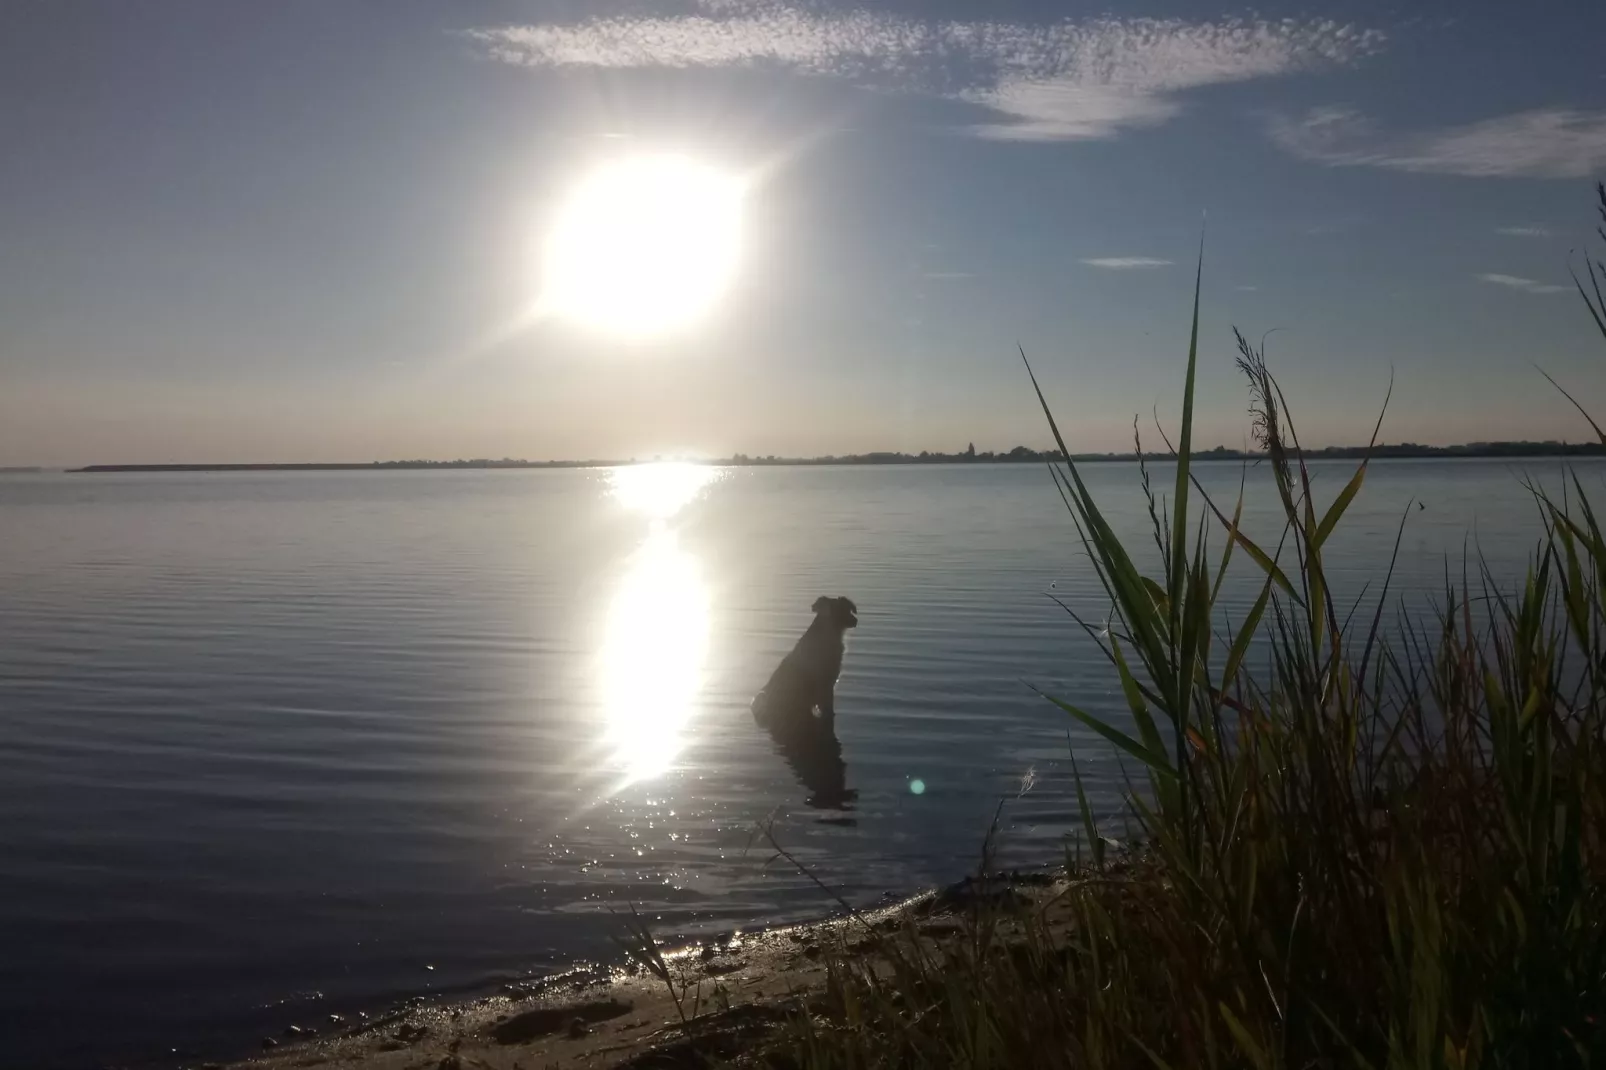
(841,612)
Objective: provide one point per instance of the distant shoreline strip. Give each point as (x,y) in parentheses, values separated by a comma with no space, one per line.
(1408,451)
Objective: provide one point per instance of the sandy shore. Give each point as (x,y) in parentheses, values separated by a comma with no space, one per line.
(739,990)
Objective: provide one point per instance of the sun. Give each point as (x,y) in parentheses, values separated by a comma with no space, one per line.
(644,245)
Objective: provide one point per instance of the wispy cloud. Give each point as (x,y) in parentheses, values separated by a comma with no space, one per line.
(1516,282)
(1523,232)
(1059,81)
(1126,263)
(1548,143)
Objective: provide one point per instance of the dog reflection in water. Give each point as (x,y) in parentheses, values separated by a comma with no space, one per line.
(798,705)
(811,748)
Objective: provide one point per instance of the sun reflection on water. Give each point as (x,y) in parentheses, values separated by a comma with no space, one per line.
(656,635)
(659,491)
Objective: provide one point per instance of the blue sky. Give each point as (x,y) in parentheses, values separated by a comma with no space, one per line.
(307,231)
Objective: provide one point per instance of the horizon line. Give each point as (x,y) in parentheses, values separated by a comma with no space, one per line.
(1016,455)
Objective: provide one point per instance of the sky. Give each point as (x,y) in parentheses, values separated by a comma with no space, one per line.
(303,231)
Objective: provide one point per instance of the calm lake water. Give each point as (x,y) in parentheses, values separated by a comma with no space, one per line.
(372,734)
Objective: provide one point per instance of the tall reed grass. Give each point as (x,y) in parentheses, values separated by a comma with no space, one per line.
(1386,848)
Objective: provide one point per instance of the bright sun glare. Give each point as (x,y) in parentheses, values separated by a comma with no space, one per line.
(657,626)
(644,245)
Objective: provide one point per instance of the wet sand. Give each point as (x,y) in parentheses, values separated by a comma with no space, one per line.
(740,990)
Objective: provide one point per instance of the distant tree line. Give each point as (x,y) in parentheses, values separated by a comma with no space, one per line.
(1219,453)
(968,456)
(486,462)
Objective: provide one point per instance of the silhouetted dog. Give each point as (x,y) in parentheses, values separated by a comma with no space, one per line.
(805,681)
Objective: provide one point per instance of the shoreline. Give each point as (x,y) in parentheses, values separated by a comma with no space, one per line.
(738,989)
(1516,451)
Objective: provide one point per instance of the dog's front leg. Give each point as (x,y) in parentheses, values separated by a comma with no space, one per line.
(827,708)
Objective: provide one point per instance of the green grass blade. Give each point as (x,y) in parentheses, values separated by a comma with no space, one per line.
(1574,591)
(1179,521)
(1157,593)
(1246,1042)
(1259,556)
(1135,702)
(1596,548)
(1581,410)
(1232,531)
(1240,643)
(1095,846)
(1159,1063)
(1123,581)
(1158,762)
(1595,313)
(1335,511)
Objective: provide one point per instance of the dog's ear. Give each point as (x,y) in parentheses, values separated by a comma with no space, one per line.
(822,603)
(847,614)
